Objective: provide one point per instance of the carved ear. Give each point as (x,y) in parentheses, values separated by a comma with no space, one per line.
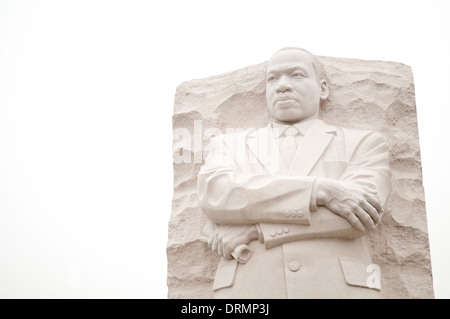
(324,91)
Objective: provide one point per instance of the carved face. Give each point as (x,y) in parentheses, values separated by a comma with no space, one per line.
(292,91)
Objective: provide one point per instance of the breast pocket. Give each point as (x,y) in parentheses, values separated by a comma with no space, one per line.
(334,169)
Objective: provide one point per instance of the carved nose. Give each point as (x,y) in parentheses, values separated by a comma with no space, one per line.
(283,89)
(284,85)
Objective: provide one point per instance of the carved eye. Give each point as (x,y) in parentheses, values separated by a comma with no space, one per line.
(298,75)
(271,78)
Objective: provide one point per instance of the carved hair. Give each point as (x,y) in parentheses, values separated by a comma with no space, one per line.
(316,63)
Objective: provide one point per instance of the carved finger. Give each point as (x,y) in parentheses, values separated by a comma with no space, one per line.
(227,250)
(347,214)
(214,242)
(355,222)
(220,248)
(365,218)
(211,240)
(371,211)
(375,202)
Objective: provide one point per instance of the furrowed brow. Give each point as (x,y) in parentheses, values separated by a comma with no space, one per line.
(288,69)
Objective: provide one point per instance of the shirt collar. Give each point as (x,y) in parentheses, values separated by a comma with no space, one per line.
(302,127)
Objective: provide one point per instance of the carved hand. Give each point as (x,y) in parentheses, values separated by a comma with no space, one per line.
(359,205)
(227,237)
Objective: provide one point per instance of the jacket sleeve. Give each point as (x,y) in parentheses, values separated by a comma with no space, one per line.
(227,195)
(368,167)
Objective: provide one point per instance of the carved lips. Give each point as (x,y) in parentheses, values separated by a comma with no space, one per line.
(285,100)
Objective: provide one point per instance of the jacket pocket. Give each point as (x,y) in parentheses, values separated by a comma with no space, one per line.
(360,273)
(226,271)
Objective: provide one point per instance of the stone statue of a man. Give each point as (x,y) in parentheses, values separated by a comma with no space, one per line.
(301,194)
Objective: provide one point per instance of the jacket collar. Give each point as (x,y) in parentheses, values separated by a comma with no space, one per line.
(263,148)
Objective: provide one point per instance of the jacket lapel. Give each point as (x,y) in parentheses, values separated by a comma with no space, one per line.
(311,148)
(262,149)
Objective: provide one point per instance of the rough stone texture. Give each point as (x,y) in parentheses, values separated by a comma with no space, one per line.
(372,95)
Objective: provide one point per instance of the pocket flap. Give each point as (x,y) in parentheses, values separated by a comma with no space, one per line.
(360,273)
(226,271)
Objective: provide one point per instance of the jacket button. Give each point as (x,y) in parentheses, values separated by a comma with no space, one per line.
(279,231)
(286,229)
(286,213)
(293,213)
(294,266)
(299,214)
(273,233)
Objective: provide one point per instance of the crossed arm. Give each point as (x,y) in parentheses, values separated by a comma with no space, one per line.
(247,207)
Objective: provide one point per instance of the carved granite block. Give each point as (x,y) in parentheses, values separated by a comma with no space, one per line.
(369,95)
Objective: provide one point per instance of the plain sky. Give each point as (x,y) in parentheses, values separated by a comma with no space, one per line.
(86,99)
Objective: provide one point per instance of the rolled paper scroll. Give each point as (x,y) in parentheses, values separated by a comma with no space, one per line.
(241,253)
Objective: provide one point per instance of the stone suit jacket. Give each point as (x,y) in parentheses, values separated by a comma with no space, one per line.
(304,251)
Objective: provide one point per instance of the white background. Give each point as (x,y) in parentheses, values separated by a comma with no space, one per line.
(86,99)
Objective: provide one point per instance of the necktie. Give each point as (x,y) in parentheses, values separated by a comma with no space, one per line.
(288,144)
